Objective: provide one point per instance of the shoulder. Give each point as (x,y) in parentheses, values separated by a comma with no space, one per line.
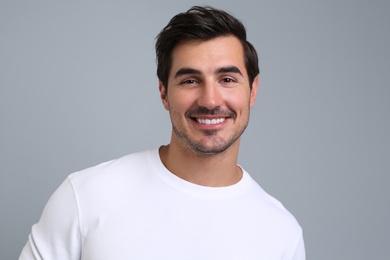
(127,169)
(271,210)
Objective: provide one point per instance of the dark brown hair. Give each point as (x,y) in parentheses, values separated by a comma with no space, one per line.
(201,23)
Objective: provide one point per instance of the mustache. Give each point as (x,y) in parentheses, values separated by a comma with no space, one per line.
(198,111)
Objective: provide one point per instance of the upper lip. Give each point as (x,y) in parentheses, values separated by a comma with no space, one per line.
(202,113)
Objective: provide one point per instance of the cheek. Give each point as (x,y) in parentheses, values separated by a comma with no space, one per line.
(178,104)
(238,100)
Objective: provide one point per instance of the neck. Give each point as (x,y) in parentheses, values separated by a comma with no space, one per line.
(213,170)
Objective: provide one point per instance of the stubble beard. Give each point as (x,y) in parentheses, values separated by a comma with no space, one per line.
(219,144)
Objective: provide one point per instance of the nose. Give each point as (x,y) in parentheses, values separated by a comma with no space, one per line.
(210,96)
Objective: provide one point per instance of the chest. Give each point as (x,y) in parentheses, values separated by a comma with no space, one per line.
(178,230)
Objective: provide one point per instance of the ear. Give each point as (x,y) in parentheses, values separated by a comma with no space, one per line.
(163,95)
(255,86)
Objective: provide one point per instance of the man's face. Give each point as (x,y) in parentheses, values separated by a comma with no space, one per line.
(208,94)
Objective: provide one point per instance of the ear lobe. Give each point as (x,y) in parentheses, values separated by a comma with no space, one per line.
(255,86)
(163,95)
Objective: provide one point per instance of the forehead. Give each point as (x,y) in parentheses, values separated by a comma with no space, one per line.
(208,55)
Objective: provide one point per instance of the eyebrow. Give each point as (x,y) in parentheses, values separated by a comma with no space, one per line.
(229,69)
(187,71)
(190,71)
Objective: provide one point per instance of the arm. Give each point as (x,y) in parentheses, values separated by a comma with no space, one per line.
(299,252)
(57,235)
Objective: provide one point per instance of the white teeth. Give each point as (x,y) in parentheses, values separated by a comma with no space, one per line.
(210,121)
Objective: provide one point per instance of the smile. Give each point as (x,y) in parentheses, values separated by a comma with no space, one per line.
(210,121)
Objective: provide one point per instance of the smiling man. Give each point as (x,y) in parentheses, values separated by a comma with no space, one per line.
(208,95)
(188,199)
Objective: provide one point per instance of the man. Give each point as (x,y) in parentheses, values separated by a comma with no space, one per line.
(187,199)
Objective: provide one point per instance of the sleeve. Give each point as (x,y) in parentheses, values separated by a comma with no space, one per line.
(299,250)
(57,235)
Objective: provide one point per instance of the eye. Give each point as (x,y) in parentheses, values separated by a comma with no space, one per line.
(189,82)
(228,80)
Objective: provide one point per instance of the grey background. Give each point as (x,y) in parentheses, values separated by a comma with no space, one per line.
(78,87)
